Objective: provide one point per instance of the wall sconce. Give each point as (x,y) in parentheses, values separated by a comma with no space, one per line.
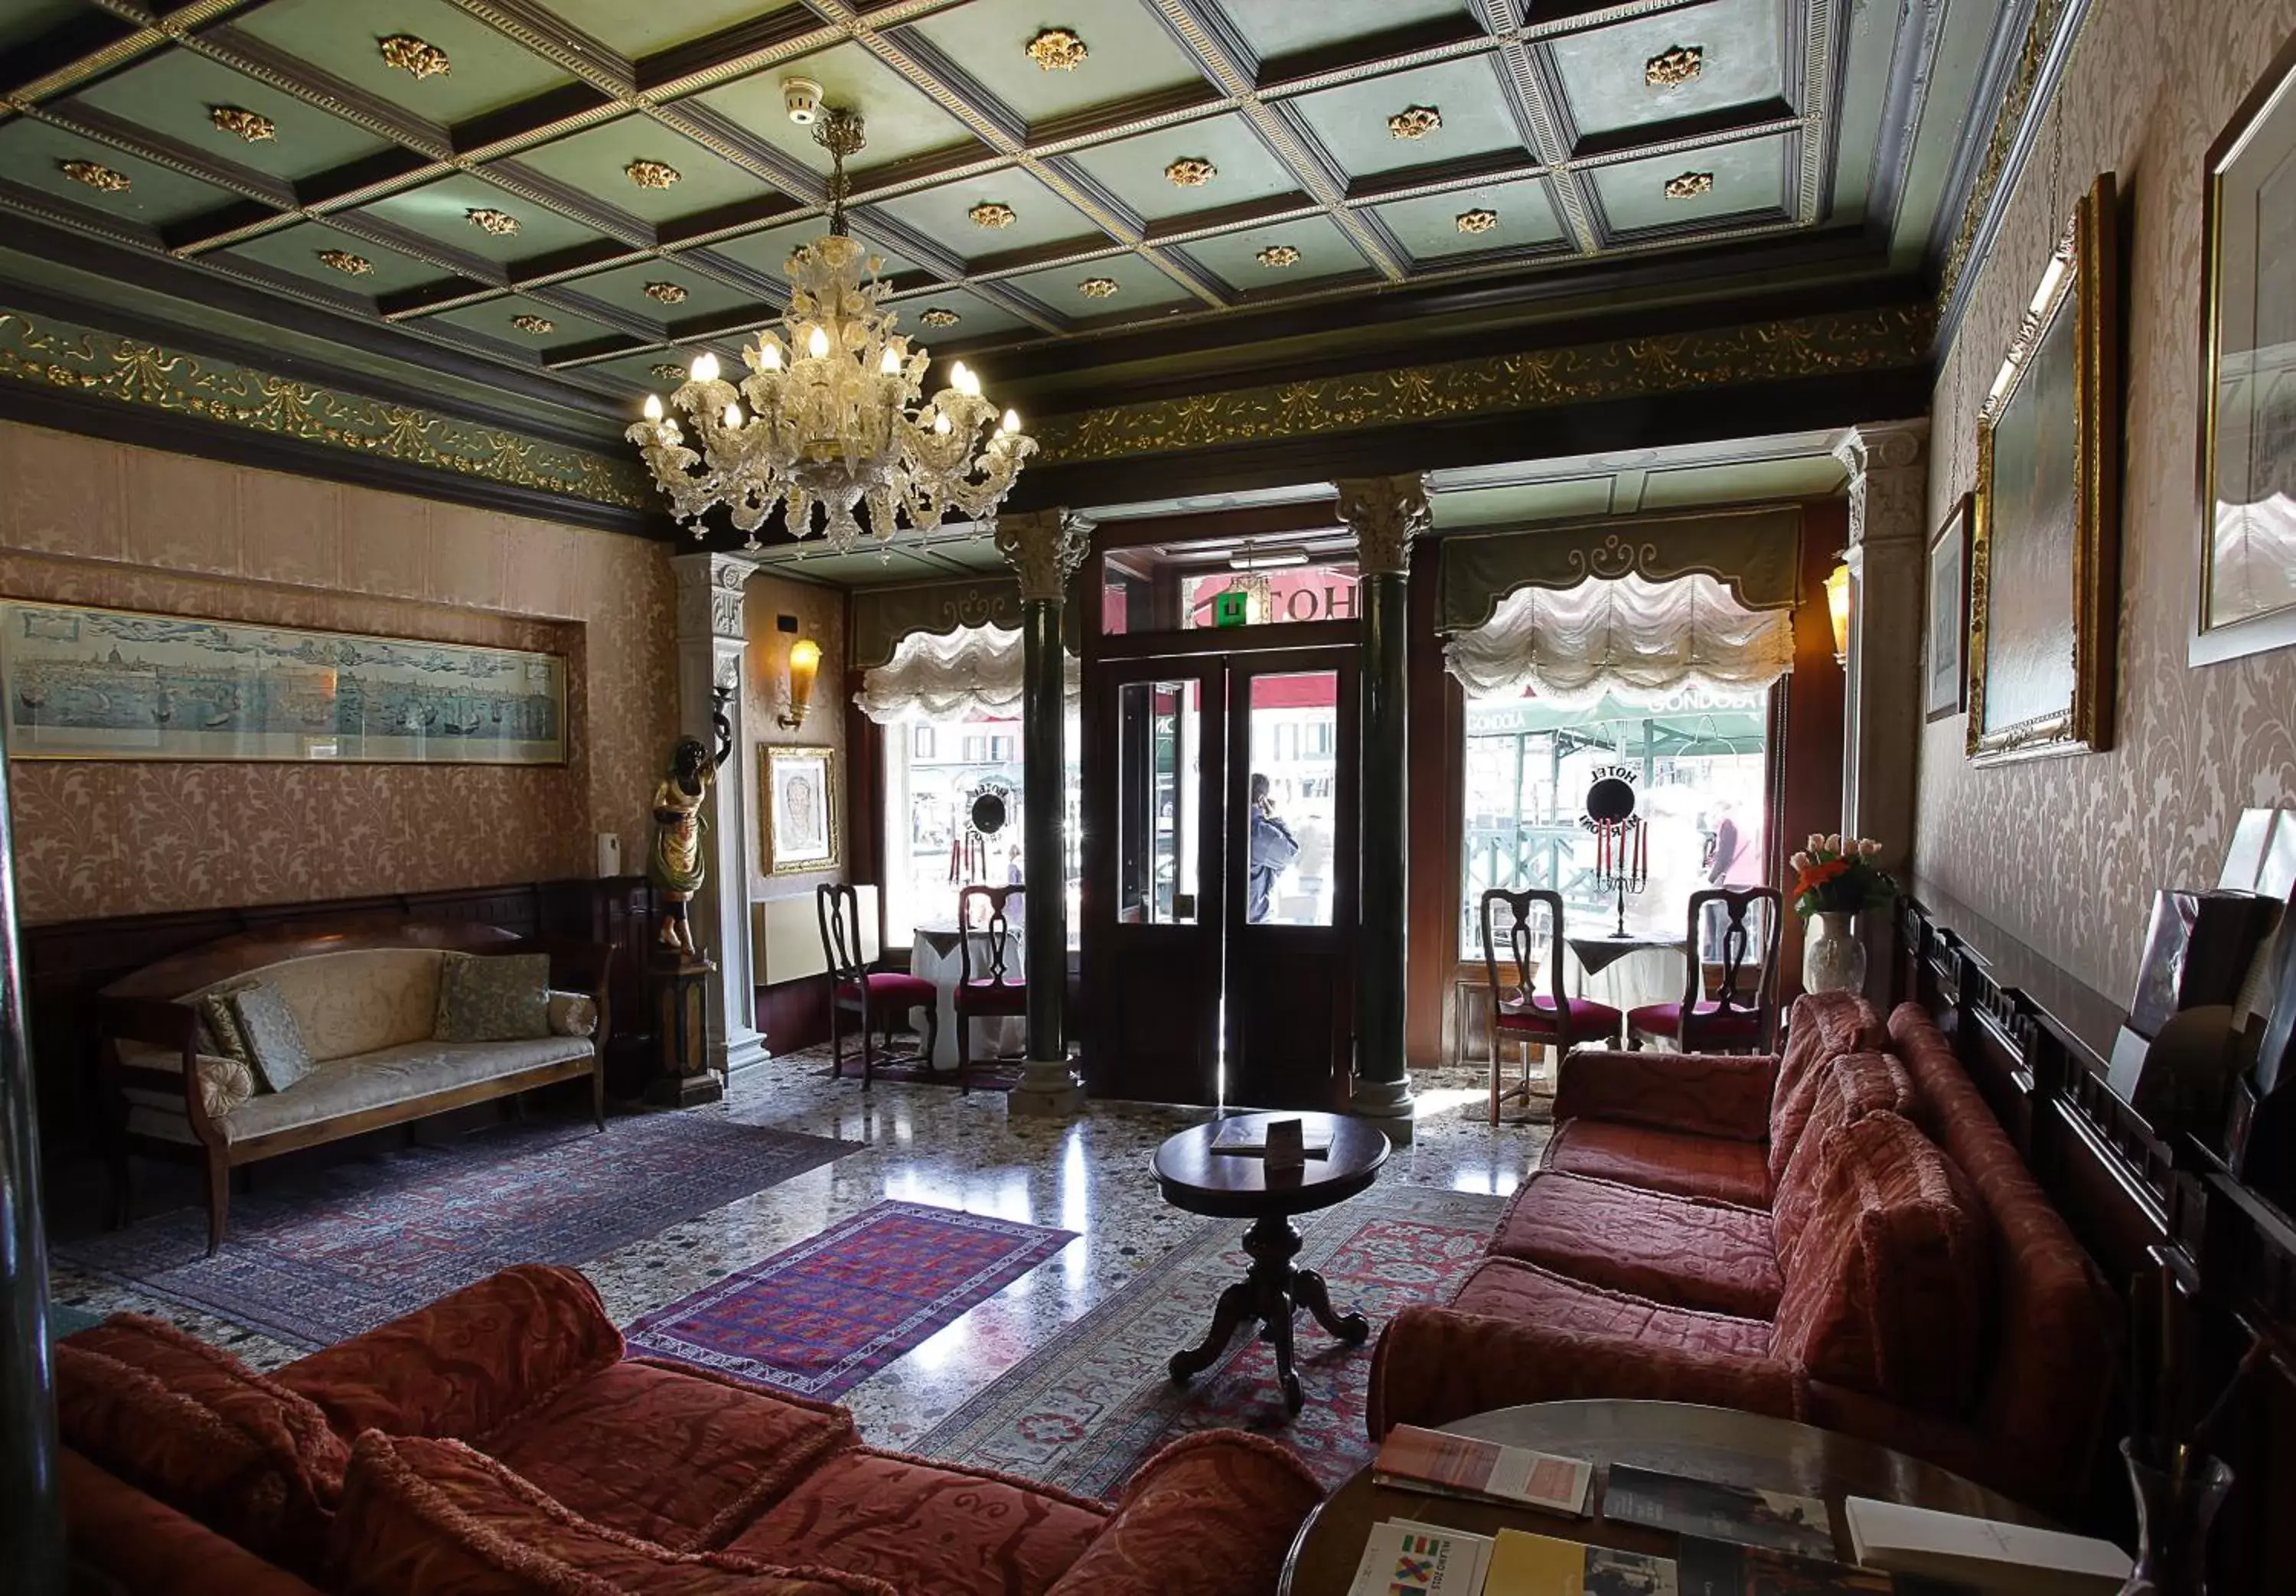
(804,661)
(1837,608)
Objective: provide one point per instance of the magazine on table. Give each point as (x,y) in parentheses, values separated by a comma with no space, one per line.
(1775,1519)
(1243,1134)
(1413,1459)
(1406,1558)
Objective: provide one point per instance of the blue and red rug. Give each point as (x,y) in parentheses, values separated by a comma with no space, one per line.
(318,1257)
(818,1318)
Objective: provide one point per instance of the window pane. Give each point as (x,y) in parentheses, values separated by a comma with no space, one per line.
(1159,734)
(932,846)
(1702,764)
(1293,815)
(1305,593)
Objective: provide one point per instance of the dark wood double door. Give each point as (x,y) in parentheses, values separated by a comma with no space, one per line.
(1219,928)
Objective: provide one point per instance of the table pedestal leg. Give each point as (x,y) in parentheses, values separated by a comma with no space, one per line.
(1271,1293)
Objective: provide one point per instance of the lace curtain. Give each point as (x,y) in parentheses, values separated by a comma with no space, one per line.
(936,676)
(1571,644)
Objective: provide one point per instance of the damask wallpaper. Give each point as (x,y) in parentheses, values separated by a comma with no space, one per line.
(2067,853)
(87,521)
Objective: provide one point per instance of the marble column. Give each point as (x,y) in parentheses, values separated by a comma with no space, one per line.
(711,643)
(1044,548)
(1881,712)
(1385,513)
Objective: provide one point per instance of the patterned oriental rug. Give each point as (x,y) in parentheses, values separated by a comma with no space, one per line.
(319,1256)
(817,1319)
(1085,1410)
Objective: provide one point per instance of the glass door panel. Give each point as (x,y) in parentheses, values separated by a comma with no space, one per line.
(1291,726)
(1159,765)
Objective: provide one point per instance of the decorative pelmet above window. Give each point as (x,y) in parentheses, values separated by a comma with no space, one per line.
(883,615)
(1756,554)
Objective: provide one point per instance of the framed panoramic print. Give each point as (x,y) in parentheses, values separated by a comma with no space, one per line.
(2245,585)
(2045,553)
(1945,678)
(800,808)
(85,684)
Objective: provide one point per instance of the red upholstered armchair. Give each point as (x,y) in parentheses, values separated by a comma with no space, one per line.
(499,1442)
(876,997)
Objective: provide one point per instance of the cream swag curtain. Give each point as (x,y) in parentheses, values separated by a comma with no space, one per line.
(1570,645)
(935,676)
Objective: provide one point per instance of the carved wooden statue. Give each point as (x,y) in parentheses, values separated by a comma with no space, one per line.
(680,866)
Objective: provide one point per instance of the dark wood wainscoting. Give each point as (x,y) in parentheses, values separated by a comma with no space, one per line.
(2164,1219)
(67,963)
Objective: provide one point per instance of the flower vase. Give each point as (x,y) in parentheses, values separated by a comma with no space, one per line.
(2174,1510)
(1832,958)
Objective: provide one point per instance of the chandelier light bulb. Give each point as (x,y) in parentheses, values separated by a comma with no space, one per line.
(891,364)
(817,346)
(705,367)
(732,415)
(941,425)
(770,355)
(1012,421)
(957,373)
(654,408)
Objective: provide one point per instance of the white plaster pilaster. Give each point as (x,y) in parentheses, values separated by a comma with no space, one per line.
(1888,490)
(711,640)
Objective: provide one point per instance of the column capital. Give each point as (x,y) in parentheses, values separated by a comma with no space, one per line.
(710,596)
(1888,462)
(1385,513)
(1043,547)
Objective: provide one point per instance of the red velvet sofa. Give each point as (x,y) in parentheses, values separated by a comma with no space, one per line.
(1841,1235)
(499,1441)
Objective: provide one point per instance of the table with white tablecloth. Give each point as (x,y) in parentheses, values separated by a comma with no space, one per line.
(938,956)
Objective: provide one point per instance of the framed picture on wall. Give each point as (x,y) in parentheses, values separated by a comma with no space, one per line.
(2044,587)
(799,805)
(1944,690)
(2245,561)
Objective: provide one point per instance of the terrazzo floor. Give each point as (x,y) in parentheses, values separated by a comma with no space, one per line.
(931,1144)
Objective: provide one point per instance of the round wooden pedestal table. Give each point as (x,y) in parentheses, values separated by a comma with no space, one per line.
(1240,1186)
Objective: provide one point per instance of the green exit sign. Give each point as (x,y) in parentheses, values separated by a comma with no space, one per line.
(1232,607)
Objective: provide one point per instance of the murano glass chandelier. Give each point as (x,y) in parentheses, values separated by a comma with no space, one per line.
(830,416)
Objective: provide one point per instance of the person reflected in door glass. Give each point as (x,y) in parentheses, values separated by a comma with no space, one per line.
(1273,849)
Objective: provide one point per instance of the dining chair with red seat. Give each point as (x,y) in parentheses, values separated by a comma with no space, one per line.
(1518,1010)
(989,987)
(877,997)
(1736,925)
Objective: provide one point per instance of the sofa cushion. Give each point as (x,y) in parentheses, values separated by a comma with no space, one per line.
(225,1083)
(1824,1027)
(432,1518)
(221,1023)
(503,997)
(1212,1511)
(1884,1286)
(1686,1251)
(357,1001)
(677,1455)
(1510,1290)
(1847,1090)
(274,1041)
(926,1526)
(573,1014)
(1657,1160)
(192,1425)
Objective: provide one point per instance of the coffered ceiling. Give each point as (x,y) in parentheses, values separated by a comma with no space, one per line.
(584,193)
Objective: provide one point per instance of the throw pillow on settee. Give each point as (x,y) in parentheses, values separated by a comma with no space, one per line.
(502,998)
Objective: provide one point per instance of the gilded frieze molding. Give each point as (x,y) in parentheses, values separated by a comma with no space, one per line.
(130,372)
(1829,345)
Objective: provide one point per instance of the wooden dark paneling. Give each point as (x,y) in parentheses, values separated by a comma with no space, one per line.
(67,963)
(794,1014)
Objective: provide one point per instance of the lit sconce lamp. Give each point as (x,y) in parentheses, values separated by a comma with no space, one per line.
(804,661)
(1837,606)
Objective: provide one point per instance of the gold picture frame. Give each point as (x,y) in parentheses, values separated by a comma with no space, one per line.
(2045,555)
(2244,549)
(798,807)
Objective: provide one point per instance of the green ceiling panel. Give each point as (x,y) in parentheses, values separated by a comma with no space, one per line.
(626,286)
(592,162)
(1128,54)
(441,210)
(1040,216)
(296,250)
(903,120)
(173,93)
(1280,28)
(1750,177)
(769,251)
(1132,169)
(638,30)
(1324,252)
(493,319)
(1603,69)
(1428,227)
(1140,287)
(976,317)
(24,21)
(486,69)
(1351,120)
(34,153)
(638,369)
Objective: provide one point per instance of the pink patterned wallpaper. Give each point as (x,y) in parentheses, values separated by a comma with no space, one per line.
(820,613)
(2067,853)
(87,521)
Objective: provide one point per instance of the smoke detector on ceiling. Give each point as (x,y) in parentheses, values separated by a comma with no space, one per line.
(802,97)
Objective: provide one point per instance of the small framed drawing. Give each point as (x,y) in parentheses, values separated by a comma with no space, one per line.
(800,807)
(2245,581)
(2045,552)
(1944,690)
